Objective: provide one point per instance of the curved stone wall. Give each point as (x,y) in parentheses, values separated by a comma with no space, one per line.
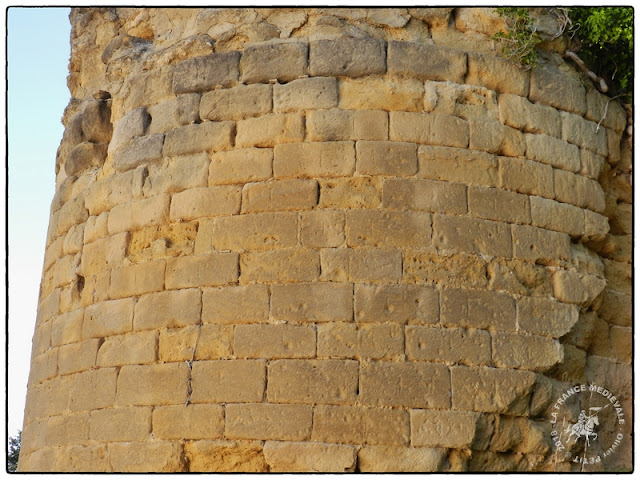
(324,240)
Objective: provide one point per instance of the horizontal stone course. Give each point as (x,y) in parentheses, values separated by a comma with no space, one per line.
(200,74)
(427,62)
(279,61)
(352,57)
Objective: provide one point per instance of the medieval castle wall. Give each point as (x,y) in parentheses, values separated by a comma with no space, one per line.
(325,240)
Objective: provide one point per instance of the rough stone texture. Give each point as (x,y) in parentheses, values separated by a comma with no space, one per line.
(326,239)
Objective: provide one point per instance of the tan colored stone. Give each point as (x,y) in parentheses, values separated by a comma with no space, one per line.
(348,340)
(266,421)
(274,341)
(67,429)
(354,192)
(422,194)
(205,202)
(552,151)
(274,61)
(236,103)
(368,265)
(176,174)
(386,158)
(77,357)
(490,238)
(532,243)
(92,389)
(500,205)
(326,381)
(444,428)
(312,302)
(137,279)
(225,456)
(280,266)
(497,74)
(160,384)
(138,214)
(351,57)
(257,231)
(578,190)
(288,194)
(305,94)
(104,253)
(388,229)
(270,130)
(545,316)
(429,129)
(73,240)
(191,139)
(427,62)
(455,269)
(72,213)
(526,176)
(448,345)
(511,350)
(458,165)
(322,228)
(147,457)
(478,309)
(44,366)
(204,73)
(174,112)
(108,318)
(378,459)
(357,425)
(337,125)
(583,133)
(518,112)
(240,166)
(409,384)
(235,304)
(396,304)
(573,287)
(131,348)
(82,459)
(202,270)
(121,424)
(309,457)
(224,381)
(42,338)
(390,94)
(322,159)
(558,90)
(105,194)
(167,309)
(176,422)
(496,138)
(556,216)
(65,328)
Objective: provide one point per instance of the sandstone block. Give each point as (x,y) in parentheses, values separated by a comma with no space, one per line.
(200,74)
(478,309)
(600,106)
(323,159)
(305,94)
(499,205)
(236,103)
(419,385)
(322,228)
(72,213)
(202,270)
(44,366)
(235,304)
(357,425)
(203,137)
(210,341)
(578,190)
(108,318)
(428,129)
(65,270)
(133,124)
(526,176)
(121,424)
(496,138)
(443,428)
(351,57)
(65,328)
(518,112)
(577,288)
(240,166)
(288,194)
(53,252)
(224,381)
(448,345)
(225,456)
(427,62)
(553,151)
(82,459)
(376,458)
(616,308)
(337,125)
(371,93)
(386,158)
(312,302)
(266,421)
(545,316)
(531,243)
(67,429)
(274,61)
(177,174)
(270,130)
(490,238)
(592,164)
(514,350)
(274,341)
(139,151)
(491,390)
(176,422)
(109,192)
(583,133)
(388,229)
(366,265)
(73,240)
(309,457)
(348,340)
(167,309)
(92,389)
(137,279)
(131,348)
(559,91)
(556,216)
(147,457)
(497,74)
(77,357)
(423,194)
(280,266)
(174,112)
(159,384)
(84,156)
(347,193)
(325,381)
(396,304)
(42,338)
(257,231)
(137,214)
(621,343)
(458,165)
(205,202)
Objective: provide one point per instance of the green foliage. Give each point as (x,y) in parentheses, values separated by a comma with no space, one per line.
(520,40)
(14,452)
(606,34)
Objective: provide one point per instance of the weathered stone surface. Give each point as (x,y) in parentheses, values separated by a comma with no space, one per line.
(225,456)
(519,113)
(321,159)
(427,62)
(496,138)
(108,318)
(167,309)
(137,279)
(120,424)
(573,287)
(207,136)
(357,265)
(386,158)
(202,270)
(347,340)
(235,304)
(274,341)
(160,384)
(545,316)
(400,459)
(556,216)
(270,130)
(352,57)
(336,125)
(497,74)
(305,94)
(322,228)
(429,129)
(205,202)
(355,192)
(500,205)
(128,349)
(448,345)
(258,231)
(396,304)
(552,151)
(173,113)
(490,238)
(531,243)
(240,166)
(536,353)
(147,457)
(309,457)
(236,103)
(274,61)
(177,422)
(200,74)
(388,228)
(222,381)
(84,156)
(288,194)
(404,94)
(266,421)
(559,91)
(444,428)
(458,165)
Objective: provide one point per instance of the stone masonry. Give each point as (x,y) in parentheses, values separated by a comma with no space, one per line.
(325,239)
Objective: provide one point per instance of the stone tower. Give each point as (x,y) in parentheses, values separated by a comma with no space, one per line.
(328,240)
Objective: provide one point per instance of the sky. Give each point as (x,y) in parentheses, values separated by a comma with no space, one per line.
(38,48)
